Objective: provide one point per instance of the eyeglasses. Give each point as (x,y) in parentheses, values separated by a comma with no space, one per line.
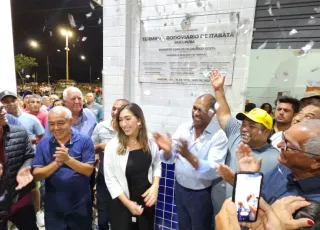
(285,147)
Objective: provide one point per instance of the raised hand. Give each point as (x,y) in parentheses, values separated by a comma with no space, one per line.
(24,177)
(217,81)
(246,159)
(163,142)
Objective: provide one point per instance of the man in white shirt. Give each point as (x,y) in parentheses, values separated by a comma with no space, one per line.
(102,134)
(198,147)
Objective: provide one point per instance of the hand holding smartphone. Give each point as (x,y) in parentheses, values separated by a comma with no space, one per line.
(246,195)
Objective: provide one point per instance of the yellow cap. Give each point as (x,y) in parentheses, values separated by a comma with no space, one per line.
(257,115)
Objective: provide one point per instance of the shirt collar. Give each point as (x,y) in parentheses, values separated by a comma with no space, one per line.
(74,138)
(108,125)
(306,185)
(211,127)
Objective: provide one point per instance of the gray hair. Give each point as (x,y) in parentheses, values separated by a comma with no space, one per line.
(59,109)
(45,98)
(32,96)
(313,145)
(72,89)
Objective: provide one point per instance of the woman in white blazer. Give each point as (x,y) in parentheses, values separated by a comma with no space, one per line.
(132,171)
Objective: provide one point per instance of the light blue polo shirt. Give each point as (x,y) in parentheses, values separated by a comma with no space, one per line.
(31,123)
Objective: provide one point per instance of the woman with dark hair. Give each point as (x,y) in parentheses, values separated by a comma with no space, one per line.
(132,172)
(311,212)
(57,102)
(267,107)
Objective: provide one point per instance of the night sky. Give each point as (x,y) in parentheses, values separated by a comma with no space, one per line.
(34,19)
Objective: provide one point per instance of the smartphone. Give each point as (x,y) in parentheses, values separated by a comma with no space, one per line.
(246,195)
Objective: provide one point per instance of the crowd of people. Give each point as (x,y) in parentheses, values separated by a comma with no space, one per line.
(62,154)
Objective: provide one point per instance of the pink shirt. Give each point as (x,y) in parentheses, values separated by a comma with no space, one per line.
(42,116)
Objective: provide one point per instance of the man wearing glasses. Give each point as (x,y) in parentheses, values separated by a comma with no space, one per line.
(298,171)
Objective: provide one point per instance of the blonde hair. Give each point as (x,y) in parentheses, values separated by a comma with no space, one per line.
(142,134)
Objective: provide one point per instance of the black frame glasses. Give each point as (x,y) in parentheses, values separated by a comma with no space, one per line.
(285,147)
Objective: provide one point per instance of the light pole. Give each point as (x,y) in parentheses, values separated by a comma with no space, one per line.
(67,34)
(84,58)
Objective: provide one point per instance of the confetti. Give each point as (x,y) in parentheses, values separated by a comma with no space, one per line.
(92,6)
(278,46)
(165,24)
(74,46)
(285,74)
(293,32)
(315,69)
(43,28)
(210,4)
(312,20)
(278,5)
(317,9)
(262,46)
(270,11)
(71,21)
(205,73)
(199,4)
(268,2)
(147,92)
(81,27)
(88,15)
(179,5)
(99,21)
(84,39)
(50,33)
(216,106)
(306,49)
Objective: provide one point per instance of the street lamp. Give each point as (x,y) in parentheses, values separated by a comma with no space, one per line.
(34,44)
(67,34)
(84,58)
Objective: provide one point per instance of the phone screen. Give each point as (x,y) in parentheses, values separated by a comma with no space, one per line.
(246,194)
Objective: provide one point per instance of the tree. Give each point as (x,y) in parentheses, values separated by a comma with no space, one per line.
(23,63)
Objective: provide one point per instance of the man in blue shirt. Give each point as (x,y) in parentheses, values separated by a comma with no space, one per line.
(298,173)
(94,107)
(65,161)
(198,146)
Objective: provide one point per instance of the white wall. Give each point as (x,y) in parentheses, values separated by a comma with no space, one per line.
(8,77)
(166,106)
(273,71)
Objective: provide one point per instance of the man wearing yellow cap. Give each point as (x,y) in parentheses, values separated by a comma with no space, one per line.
(254,131)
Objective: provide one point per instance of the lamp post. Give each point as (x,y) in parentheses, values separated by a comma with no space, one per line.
(67,34)
(84,58)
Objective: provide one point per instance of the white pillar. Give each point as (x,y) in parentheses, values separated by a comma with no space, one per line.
(7,68)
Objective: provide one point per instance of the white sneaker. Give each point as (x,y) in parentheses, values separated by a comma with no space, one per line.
(40,219)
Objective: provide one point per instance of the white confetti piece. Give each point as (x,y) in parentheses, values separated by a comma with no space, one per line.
(267,2)
(278,46)
(317,9)
(43,28)
(92,6)
(312,20)
(270,11)
(99,21)
(84,39)
(72,21)
(81,27)
(278,5)
(74,46)
(306,49)
(147,92)
(88,15)
(262,46)
(216,106)
(293,32)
